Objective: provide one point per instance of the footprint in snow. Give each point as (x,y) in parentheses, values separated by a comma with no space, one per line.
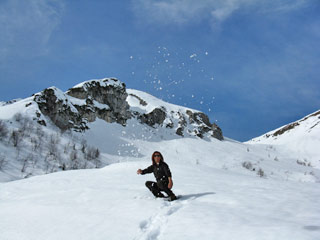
(150,229)
(173,210)
(143,225)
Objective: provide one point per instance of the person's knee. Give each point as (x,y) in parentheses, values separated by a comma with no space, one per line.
(162,185)
(148,184)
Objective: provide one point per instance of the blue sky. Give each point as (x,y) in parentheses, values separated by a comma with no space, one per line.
(251,65)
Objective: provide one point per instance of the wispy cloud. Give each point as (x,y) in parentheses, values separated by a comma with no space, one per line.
(215,11)
(26,26)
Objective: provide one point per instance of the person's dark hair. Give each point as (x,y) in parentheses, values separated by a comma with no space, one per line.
(161,157)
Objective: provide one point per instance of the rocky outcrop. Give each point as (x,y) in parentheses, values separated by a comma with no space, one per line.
(216,132)
(156,117)
(182,123)
(285,129)
(108,99)
(53,103)
(104,99)
(108,91)
(204,125)
(293,125)
(141,101)
(158,114)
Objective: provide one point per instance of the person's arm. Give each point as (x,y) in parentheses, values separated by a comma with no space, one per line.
(166,170)
(145,171)
(170,184)
(168,174)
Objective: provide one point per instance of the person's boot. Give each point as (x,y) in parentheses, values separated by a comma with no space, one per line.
(172,197)
(158,194)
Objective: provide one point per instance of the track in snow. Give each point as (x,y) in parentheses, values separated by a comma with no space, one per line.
(151,228)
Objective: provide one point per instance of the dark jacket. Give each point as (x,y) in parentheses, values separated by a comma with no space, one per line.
(161,171)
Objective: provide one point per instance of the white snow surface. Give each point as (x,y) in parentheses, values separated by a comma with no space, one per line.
(220,198)
(113,203)
(303,140)
(152,103)
(103,83)
(8,111)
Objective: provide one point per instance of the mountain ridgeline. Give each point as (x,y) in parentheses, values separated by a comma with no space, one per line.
(109,100)
(55,130)
(100,122)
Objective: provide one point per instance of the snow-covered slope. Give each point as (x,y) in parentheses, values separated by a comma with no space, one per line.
(230,190)
(99,122)
(301,138)
(30,144)
(47,132)
(218,202)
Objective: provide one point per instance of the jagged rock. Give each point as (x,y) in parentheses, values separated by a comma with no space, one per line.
(204,125)
(198,117)
(216,132)
(105,99)
(170,124)
(42,122)
(108,91)
(53,103)
(286,128)
(157,116)
(142,102)
(108,99)
(179,131)
(181,124)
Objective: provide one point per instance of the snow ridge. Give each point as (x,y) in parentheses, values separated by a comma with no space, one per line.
(301,137)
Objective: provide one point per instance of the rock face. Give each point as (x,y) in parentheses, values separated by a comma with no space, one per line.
(110,92)
(53,103)
(305,129)
(108,99)
(293,125)
(157,116)
(183,121)
(104,99)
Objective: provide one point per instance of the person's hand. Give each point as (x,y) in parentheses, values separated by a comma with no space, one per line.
(170,184)
(139,171)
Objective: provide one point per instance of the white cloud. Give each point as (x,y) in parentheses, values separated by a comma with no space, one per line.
(26,26)
(179,11)
(216,11)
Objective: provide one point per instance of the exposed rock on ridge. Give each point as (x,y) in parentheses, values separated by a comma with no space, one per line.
(105,99)
(291,126)
(54,104)
(158,114)
(109,91)
(108,99)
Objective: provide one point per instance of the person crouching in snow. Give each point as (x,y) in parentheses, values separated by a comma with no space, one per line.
(162,174)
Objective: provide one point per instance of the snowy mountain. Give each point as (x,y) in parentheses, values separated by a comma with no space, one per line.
(301,137)
(229,190)
(108,99)
(48,131)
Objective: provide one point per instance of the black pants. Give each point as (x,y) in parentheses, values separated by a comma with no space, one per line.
(157,187)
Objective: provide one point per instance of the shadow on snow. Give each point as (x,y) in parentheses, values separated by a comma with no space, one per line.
(196,195)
